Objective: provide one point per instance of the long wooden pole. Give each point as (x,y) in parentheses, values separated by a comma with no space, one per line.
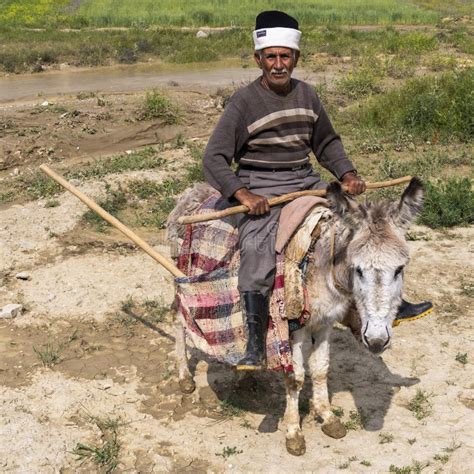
(175,271)
(281,199)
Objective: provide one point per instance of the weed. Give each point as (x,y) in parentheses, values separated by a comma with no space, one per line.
(461,358)
(127,305)
(158,106)
(246,424)
(49,354)
(453,446)
(344,465)
(416,468)
(156,310)
(359,84)
(420,405)
(357,420)
(448,203)
(105,455)
(114,202)
(229,409)
(338,411)
(467,287)
(229,451)
(443,458)
(366,463)
(85,95)
(52,203)
(411,441)
(429,107)
(385,438)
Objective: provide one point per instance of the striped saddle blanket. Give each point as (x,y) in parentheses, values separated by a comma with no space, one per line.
(208,299)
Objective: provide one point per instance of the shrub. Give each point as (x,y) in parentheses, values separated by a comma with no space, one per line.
(157,105)
(448,203)
(359,84)
(428,107)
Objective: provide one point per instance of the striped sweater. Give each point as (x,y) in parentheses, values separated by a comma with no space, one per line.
(262,129)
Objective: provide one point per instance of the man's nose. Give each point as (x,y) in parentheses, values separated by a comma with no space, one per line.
(278,63)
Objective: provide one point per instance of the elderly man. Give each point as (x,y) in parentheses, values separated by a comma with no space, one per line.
(269,128)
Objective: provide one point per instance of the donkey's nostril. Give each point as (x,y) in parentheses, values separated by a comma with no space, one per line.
(376,346)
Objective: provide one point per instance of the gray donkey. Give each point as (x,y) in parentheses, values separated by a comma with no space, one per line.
(357,263)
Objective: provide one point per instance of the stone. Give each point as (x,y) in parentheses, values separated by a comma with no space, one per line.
(11,311)
(201,34)
(23,276)
(44,104)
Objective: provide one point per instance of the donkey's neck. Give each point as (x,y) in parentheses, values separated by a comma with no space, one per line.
(329,274)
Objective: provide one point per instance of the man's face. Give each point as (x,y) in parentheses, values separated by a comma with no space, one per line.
(277,64)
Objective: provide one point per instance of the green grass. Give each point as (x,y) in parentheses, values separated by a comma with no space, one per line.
(49,354)
(357,420)
(449,203)
(430,108)
(105,454)
(420,405)
(461,358)
(157,106)
(142,13)
(115,201)
(229,451)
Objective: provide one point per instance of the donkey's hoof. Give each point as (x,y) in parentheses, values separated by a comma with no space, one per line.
(334,428)
(187,385)
(296,445)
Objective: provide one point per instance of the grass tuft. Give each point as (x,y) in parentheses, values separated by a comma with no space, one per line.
(431,108)
(448,204)
(420,405)
(357,420)
(158,106)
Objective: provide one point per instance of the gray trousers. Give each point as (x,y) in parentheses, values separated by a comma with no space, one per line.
(257,234)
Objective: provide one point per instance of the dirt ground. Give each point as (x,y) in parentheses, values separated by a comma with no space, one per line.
(88,313)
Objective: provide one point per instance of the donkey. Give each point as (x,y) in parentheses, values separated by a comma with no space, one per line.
(357,263)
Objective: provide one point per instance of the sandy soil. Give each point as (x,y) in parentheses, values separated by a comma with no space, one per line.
(116,361)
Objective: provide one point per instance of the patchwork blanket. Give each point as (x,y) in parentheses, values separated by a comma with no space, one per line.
(208,299)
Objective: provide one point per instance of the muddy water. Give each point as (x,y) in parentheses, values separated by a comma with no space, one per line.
(130,79)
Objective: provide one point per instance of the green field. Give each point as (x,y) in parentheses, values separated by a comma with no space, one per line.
(76,13)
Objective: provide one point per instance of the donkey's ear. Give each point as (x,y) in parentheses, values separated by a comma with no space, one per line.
(341,204)
(411,203)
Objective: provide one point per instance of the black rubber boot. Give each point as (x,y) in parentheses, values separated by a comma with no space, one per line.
(410,311)
(255,306)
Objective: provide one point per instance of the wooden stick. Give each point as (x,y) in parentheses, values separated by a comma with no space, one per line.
(114,222)
(281,199)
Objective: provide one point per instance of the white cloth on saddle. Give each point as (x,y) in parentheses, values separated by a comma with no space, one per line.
(292,216)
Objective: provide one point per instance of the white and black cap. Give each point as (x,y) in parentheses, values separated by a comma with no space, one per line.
(275,28)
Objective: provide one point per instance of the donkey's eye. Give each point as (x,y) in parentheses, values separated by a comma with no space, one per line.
(359,272)
(399,270)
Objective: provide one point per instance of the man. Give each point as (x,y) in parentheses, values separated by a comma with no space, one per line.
(269,128)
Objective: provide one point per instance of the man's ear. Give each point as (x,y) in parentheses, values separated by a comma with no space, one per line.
(257,58)
(297,56)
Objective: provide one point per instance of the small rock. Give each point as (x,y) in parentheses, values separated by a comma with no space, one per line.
(16,172)
(128,152)
(44,104)
(201,34)
(23,276)
(51,296)
(75,182)
(11,311)
(467,399)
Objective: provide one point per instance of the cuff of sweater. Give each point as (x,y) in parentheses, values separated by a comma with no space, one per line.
(343,167)
(231,186)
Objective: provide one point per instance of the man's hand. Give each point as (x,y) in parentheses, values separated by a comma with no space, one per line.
(258,205)
(355,185)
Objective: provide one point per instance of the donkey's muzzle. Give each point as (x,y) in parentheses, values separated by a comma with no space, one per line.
(376,345)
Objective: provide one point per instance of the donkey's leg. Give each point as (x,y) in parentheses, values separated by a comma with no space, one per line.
(295,443)
(318,365)
(186,382)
